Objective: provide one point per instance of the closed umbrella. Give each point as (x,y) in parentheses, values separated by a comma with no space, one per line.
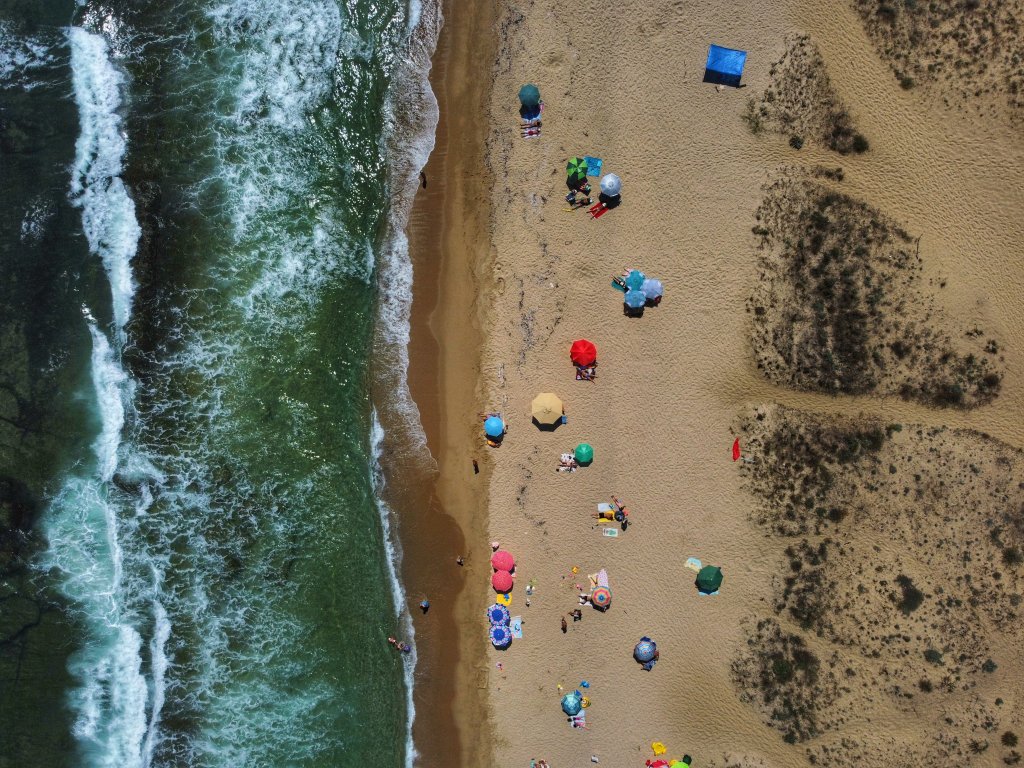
(645,650)
(635,280)
(635,299)
(584,453)
(494,427)
(709,579)
(529,96)
(652,288)
(601,597)
(576,171)
(611,185)
(498,614)
(547,408)
(503,561)
(502,581)
(583,352)
(572,703)
(500,635)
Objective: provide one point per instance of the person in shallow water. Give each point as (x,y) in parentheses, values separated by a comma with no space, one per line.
(424,605)
(403,647)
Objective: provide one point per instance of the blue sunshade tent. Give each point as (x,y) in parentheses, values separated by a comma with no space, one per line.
(725,66)
(494,427)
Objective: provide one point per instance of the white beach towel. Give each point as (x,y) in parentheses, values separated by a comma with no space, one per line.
(516,627)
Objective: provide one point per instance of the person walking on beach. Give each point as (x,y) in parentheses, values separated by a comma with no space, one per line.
(565,626)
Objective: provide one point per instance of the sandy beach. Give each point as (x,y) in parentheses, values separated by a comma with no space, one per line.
(507,279)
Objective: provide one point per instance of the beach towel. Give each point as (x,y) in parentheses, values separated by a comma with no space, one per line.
(593,165)
(516,625)
(602,578)
(610,532)
(605,508)
(693,564)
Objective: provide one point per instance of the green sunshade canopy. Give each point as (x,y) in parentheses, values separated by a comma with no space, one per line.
(529,95)
(584,453)
(709,579)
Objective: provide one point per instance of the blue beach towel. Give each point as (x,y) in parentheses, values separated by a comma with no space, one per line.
(516,625)
(593,165)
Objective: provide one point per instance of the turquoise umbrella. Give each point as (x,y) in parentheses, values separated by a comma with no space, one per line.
(635,299)
(635,280)
(572,703)
(584,453)
(529,96)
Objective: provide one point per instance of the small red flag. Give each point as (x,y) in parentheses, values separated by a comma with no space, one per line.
(736,449)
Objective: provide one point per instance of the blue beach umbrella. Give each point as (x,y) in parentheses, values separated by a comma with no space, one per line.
(635,280)
(652,288)
(572,703)
(498,614)
(644,650)
(494,427)
(500,635)
(635,299)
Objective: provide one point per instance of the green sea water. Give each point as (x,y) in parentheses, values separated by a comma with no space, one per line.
(204,524)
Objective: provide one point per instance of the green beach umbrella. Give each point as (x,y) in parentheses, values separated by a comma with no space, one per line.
(709,579)
(576,170)
(584,453)
(529,95)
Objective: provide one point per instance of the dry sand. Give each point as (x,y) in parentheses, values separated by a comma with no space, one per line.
(624,83)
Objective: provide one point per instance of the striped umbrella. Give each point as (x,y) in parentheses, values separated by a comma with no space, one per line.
(500,635)
(498,614)
(576,171)
(644,650)
(601,597)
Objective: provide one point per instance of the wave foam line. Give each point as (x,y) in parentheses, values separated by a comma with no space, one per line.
(108,212)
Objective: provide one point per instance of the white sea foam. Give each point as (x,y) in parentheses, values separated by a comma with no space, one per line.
(393,550)
(20,55)
(108,212)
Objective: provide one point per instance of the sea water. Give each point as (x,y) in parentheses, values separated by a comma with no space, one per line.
(214,529)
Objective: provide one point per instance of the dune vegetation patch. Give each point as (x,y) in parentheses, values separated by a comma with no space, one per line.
(973,50)
(801,102)
(841,306)
(892,541)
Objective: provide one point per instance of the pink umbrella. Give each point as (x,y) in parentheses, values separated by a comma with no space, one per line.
(503,561)
(502,581)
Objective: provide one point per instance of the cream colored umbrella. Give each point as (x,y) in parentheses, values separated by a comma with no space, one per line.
(547,409)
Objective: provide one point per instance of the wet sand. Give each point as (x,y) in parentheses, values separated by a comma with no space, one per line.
(446,229)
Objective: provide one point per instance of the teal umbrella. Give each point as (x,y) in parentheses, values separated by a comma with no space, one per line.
(572,703)
(635,280)
(709,579)
(584,453)
(529,96)
(576,171)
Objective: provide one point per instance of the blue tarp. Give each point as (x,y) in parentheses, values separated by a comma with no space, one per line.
(725,66)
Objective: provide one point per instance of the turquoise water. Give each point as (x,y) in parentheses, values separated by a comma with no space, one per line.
(213,533)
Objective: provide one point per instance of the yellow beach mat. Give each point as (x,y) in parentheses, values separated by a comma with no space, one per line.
(504,599)
(658,747)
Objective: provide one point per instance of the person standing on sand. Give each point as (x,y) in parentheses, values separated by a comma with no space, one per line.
(424,605)
(565,627)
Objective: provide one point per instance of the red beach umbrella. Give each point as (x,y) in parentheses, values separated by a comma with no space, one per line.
(503,561)
(502,581)
(583,352)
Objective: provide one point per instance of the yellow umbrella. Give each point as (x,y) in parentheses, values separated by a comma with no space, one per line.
(547,408)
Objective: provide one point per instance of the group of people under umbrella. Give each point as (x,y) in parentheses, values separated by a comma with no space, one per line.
(576,172)
(640,291)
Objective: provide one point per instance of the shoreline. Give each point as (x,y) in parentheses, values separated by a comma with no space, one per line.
(448,221)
